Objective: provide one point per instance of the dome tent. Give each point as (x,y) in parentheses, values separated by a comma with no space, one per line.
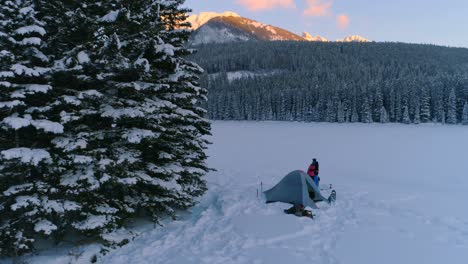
(294,188)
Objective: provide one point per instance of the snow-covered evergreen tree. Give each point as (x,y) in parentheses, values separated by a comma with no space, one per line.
(366,112)
(331,112)
(406,118)
(425,105)
(341,113)
(378,104)
(31,205)
(315,114)
(440,112)
(398,108)
(136,109)
(131,129)
(465,114)
(417,114)
(383,115)
(354,114)
(452,108)
(392,103)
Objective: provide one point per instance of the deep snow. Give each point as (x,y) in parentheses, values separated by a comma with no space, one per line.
(402,193)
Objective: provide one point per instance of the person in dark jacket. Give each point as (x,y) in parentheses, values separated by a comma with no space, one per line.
(313,171)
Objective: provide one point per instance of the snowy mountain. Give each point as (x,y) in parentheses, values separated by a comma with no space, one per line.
(309,37)
(200,19)
(212,27)
(353,38)
(229,28)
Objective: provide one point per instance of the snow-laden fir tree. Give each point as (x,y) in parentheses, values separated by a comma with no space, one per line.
(366,112)
(392,103)
(465,114)
(134,130)
(383,115)
(398,108)
(331,113)
(341,113)
(315,114)
(425,105)
(354,113)
(452,108)
(406,118)
(440,112)
(31,205)
(417,114)
(378,104)
(131,130)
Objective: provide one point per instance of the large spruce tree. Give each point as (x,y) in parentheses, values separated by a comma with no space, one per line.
(30,203)
(134,105)
(452,108)
(104,112)
(465,114)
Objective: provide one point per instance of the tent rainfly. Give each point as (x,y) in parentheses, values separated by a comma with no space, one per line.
(294,188)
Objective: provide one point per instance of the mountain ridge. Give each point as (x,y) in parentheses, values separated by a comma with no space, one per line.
(212,27)
(223,29)
(307,36)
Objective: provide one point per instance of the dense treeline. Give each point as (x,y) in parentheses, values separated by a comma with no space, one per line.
(336,82)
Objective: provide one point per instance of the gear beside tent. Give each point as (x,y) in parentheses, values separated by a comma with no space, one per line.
(294,188)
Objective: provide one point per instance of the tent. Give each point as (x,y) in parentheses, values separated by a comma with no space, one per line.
(294,188)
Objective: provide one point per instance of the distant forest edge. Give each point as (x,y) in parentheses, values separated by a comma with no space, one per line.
(335,82)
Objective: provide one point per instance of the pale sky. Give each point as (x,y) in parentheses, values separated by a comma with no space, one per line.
(416,21)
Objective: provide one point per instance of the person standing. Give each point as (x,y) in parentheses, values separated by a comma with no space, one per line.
(313,171)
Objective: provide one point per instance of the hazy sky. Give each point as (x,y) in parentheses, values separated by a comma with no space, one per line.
(443,22)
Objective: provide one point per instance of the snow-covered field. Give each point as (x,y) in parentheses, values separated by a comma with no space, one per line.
(402,198)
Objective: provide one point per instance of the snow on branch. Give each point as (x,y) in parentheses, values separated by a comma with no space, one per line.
(167,49)
(17,122)
(59,206)
(89,93)
(30,29)
(30,41)
(137,135)
(93,222)
(110,17)
(37,88)
(81,159)
(26,10)
(18,188)
(23,70)
(46,125)
(168,185)
(45,226)
(7,74)
(70,144)
(26,155)
(83,57)
(25,201)
(11,104)
(122,112)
